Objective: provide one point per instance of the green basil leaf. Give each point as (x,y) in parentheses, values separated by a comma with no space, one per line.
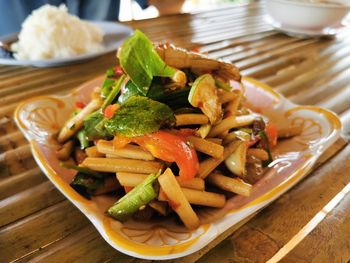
(141,62)
(138,116)
(129,90)
(93,128)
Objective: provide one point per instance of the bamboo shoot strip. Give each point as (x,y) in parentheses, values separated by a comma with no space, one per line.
(177,199)
(207,147)
(93,152)
(133,179)
(76,123)
(234,185)
(215,140)
(230,123)
(196,197)
(208,165)
(128,151)
(203,130)
(232,107)
(113,165)
(194,183)
(190,119)
(130,179)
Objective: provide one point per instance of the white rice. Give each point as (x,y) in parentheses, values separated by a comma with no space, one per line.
(50,32)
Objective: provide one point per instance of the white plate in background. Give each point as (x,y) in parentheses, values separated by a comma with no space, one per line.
(114,35)
(301,32)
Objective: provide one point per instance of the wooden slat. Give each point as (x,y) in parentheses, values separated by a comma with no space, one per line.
(92,249)
(21,181)
(20,152)
(311,73)
(229,43)
(16,160)
(337,102)
(13,72)
(7,125)
(27,202)
(11,140)
(334,245)
(242,52)
(266,65)
(42,228)
(324,59)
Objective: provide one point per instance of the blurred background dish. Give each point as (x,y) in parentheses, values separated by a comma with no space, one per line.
(50,32)
(114,35)
(307,18)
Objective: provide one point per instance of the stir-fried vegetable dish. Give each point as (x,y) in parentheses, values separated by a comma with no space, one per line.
(165,133)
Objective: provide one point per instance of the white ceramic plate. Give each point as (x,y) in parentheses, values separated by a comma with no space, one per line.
(114,35)
(40,118)
(301,32)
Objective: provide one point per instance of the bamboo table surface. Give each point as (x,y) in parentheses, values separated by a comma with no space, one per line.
(311,222)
